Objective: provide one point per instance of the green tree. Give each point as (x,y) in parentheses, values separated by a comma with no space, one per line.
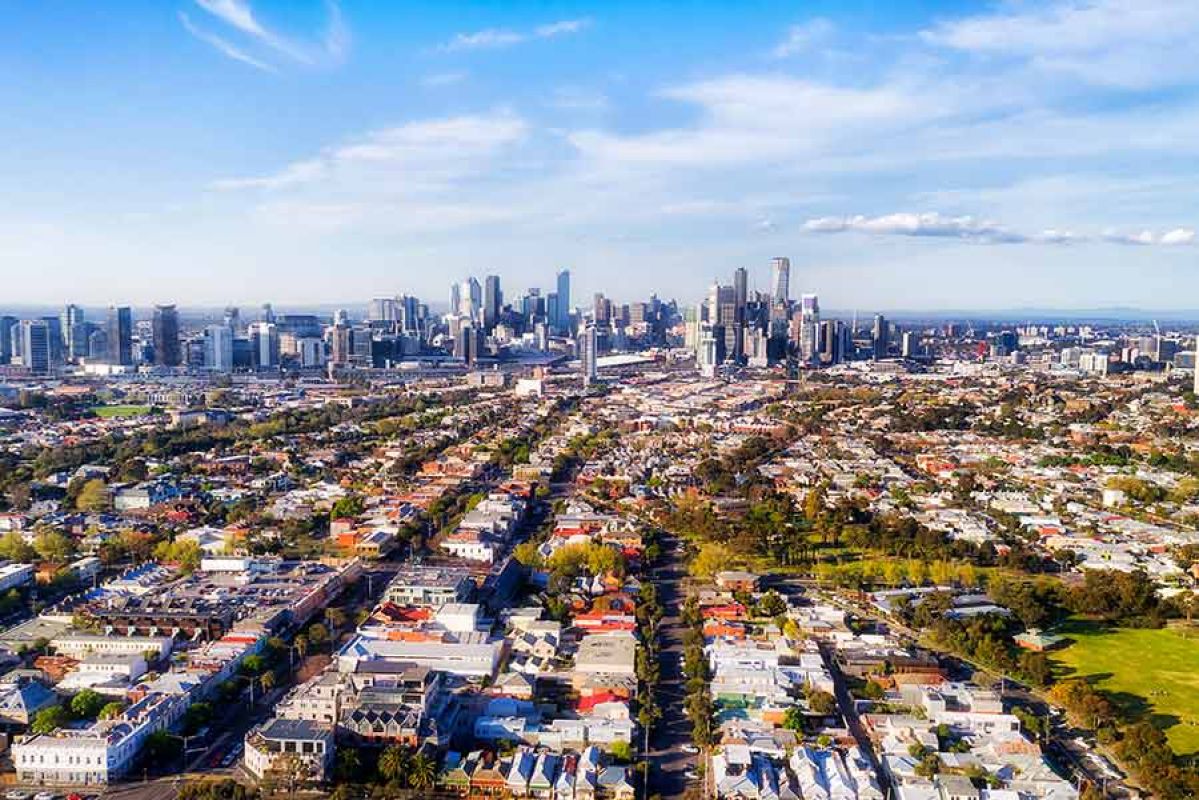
(49,719)
(112,710)
(13,547)
(54,547)
(422,774)
(93,496)
(318,634)
(393,763)
(87,704)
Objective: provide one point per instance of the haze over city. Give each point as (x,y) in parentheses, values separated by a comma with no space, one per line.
(908,155)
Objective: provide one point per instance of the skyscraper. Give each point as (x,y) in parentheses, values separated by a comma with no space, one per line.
(264,345)
(120,335)
(589,354)
(780,280)
(32,345)
(493,299)
(382,309)
(166,336)
(6,340)
(74,331)
(218,348)
(809,329)
(880,336)
(563,318)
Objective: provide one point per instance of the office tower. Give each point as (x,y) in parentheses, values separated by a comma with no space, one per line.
(831,337)
(32,345)
(708,355)
(97,345)
(532,306)
(233,318)
(601,310)
(383,309)
(493,300)
(809,328)
(268,313)
(56,340)
(218,348)
(879,336)
(342,344)
(541,335)
(470,298)
(468,344)
(299,325)
(361,347)
(740,291)
(551,311)
(264,345)
(74,331)
(120,335)
(780,280)
(455,297)
(6,338)
(166,336)
(341,317)
(562,321)
(1164,349)
(909,344)
(409,308)
(589,355)
(311,351)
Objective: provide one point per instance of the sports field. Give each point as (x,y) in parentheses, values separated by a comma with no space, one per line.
(1150,673)
(120,411)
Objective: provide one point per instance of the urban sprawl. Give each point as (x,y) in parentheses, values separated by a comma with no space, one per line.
(534,547)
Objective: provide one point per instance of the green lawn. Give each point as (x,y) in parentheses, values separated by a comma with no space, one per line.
(120,411)
(1151,674)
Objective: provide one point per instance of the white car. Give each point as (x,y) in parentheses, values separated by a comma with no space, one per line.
(45,796)
(17,794)
(689,748)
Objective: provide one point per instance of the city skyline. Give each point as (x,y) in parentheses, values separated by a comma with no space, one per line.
(922,156)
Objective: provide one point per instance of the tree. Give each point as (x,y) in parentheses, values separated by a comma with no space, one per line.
(113,710)
(13,547)
(267,681)
(1035,667)
(348,764)
(422,774)
(318,634)
(301,644)
(393,763)
(771,604)
(821,702)
(622,751)
(87,704)
(54,547)
(335,617)
(93,496)
(49,719)
(712,558)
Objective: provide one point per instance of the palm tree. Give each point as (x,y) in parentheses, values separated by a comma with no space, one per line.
(301,645)
(422,773)
(394,763)
(348,764)
(267,681)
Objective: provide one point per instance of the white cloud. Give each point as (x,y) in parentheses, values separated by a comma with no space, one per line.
(1130,43)
(1170,238)
(561,27)
(930,224)
(222,46)
(495,38)
(1178,236)
(802,37)
(936,225)
(239,16)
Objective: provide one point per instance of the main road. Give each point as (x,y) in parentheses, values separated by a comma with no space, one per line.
(669,762)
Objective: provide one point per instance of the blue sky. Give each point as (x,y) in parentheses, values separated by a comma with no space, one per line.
(905,155)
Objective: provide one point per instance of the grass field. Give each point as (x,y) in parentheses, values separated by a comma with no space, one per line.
(121,411)
(1151,674)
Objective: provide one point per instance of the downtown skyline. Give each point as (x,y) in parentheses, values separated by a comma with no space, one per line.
(931,155)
